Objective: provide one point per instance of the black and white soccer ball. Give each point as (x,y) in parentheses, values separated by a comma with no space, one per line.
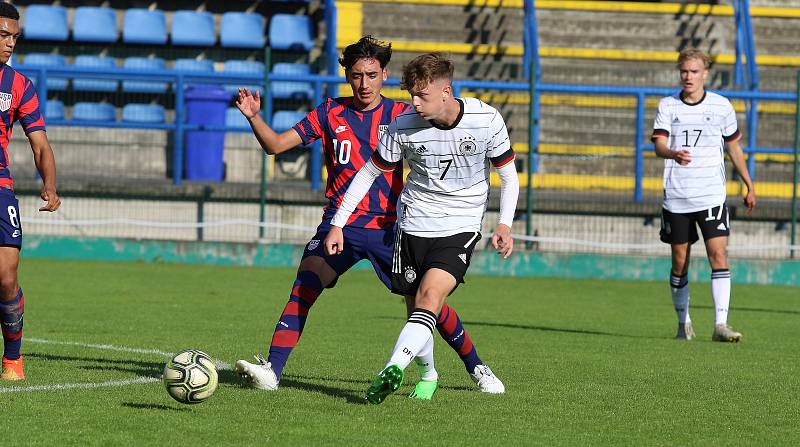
(190,377)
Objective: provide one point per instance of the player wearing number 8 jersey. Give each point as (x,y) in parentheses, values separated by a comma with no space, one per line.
(349,128)
(18,103)
(690,132)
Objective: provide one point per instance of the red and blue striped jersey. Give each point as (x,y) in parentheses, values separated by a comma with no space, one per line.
(18,102)
(349,137)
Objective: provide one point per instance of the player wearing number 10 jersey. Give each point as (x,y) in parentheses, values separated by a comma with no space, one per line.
(350,129)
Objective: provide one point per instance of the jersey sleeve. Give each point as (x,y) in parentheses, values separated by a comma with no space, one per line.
(28,113)
(662,123)
(390,150)
(311,127)
(730,127)
(498,145)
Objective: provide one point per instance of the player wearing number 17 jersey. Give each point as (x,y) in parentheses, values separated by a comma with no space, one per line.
(349,128)
(690,131)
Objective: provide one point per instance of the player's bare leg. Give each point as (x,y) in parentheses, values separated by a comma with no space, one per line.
(436,284)
(717,250)
(313,275)
(12,308)
(679,286)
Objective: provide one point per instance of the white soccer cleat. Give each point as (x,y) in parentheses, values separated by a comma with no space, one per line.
(685,331)
(725,333)
(487,381)
(259,376)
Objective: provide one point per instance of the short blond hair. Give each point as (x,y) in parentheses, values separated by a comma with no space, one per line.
(694,53)
(425,69)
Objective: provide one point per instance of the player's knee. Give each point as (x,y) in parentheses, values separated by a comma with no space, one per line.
(429,298)
(317,266)
(8,287)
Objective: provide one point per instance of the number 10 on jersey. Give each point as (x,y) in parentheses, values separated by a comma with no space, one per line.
(342,151)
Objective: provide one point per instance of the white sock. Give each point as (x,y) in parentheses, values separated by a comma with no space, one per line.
(679,285)
(721,291)
(413,338)
(427,370)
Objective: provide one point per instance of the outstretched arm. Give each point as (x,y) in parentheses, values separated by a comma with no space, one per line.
(46,165)
(271,141)
(737,157)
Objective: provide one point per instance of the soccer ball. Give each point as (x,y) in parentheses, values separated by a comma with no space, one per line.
(190,377)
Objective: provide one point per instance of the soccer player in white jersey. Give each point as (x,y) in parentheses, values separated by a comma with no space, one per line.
(449,144)
(690,130)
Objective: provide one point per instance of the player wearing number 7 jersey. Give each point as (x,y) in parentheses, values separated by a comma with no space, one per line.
(349,128)
(18,102)
(690,130)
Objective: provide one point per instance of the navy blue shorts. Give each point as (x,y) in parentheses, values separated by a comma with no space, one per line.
(374,245)
(10,226)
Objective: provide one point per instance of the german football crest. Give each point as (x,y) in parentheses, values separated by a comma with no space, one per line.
(382,128)
(410,275)
(467,146)
(5,101)
(313,244)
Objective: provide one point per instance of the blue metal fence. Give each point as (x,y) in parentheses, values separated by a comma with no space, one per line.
(180,80)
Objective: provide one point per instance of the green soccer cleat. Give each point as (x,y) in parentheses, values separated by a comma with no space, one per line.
(384,384)
(424,389)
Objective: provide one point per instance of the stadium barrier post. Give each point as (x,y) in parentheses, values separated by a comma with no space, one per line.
(533,124)
(315,161)
(796,173)
(177,153)
(638,195)
(262,193)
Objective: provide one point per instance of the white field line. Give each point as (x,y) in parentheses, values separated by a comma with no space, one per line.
(72,386)
(218,363)
(91,385)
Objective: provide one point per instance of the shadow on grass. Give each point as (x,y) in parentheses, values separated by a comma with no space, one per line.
(349,395)
(137,367)
(140,406)
(530,327)
(751,309)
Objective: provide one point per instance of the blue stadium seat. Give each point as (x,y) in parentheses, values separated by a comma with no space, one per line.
(45,22)
(53,110)
(290,32)
(144,26)
(93,111)
(284,120)
(194,65)
(242,30)
(47,60)
(291,89)
(193,28)
(235,119)
(144,64)
(254,68)
(94,85)
(94,24)
(143,113)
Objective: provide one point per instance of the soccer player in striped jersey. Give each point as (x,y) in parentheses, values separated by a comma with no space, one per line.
(449,144)
(349,128)
(18,103)
(690,130)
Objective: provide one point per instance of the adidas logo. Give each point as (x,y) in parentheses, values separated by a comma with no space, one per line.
(341,129)
(463,257)
(676,120)
(721,227)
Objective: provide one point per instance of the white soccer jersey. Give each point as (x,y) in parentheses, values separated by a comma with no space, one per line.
(702,129)
(447,190)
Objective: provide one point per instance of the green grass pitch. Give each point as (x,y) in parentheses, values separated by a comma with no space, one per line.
(584,362)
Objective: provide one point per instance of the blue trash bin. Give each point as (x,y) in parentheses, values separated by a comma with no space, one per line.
(203,155)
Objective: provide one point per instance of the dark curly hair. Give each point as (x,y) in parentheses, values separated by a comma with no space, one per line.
(367,47)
